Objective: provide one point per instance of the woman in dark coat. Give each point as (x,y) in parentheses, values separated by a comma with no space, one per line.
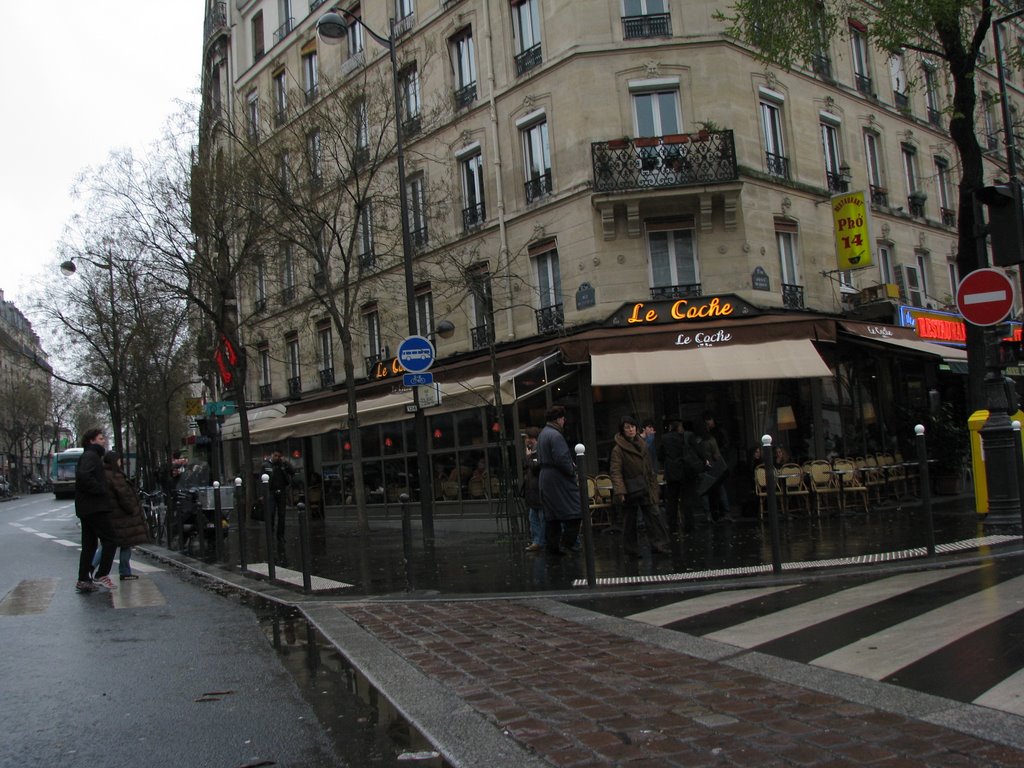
(635,487)
(559,492)
(127,519)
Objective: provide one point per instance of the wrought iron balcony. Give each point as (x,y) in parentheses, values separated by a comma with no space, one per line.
(411,125)
(901,100)
(915,203)
(879,195)
(863,83)
(792,296)
(675,291)
(282,32)
(935,117)
(777,165)
(418,237)
(367,261)
(676,160)
(948,217)
(465,95)
(821,65)
(326,377)
(294,386)
(312,93)
(648,25)
(260,305)
(481,336)
(837,182)
(538,187)
(550,319)
(473,216)
(288,295)
(280,117)
(529,59)
(266,392)
(216,20)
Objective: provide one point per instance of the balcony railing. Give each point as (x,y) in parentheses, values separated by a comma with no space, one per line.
(948,217)
(481,336)
(216,20)
(915,204)
(649,25)
(901,100)
(821,65)
(935,117)
(676,160)
(314,4)
(419,237)
(538,187)
(777,165)
(282,32)
(294,386)
(792,296)
(529,59)
(675,291)
(550,319)
(288,295)
(326,377)
(837,182)
(266,392)
(879,195)
(312,93)
(473,216)
(863,83)
(367,261)
(465,95)
(411,126)
(280,117)
(260,305)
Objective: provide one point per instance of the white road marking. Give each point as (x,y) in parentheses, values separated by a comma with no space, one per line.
(685,609)
(67,543)
(1007,695)
(42,535)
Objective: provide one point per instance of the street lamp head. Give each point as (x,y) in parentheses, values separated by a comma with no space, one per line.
(332,28)
(445,329)
(68,268)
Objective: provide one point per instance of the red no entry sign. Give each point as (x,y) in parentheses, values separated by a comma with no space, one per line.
(985,297)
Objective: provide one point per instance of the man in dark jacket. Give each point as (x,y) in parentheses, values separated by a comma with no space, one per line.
(280,471)
(531,492)
(559,493)
(679,454)
(93,506)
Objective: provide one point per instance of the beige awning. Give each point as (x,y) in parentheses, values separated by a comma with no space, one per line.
(950,354)
(783,359)
(904,338)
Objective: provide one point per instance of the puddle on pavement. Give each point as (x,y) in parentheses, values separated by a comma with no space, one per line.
(366,730)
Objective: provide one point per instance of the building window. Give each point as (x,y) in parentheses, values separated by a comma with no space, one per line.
(898,76)
(954,275)
(785,237)
(424,312)
(294,365)
(915,198)
(833,163)
(526,29)
(464,64)
(354,34)
(944,185)
(258,48)
(361,125)
(261,286)
(405,8)
(416,191)
(264,354)
(325,349)
(409,83)
(364,237)
(280,98)
(284,172)
(287,274)
(482,332)
(474,212)
(656,113)
(374,343)
(314,155)
(872,158)
(252,115)
(931,96)
(885,264)
(550,312)
(284,15)
(537,160)
(988,114)
(923,261)
(861,59)
(673,261)
(775,151)
(645,18)
(310,76)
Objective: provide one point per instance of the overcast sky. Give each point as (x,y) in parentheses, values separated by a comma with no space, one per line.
(80,80)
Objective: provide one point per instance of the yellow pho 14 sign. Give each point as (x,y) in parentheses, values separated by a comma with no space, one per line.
(853,241)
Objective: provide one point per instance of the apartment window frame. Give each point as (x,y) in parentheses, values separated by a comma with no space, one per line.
(409,81)
(876,171)
(536,146)
(266,367)
(911,174)
(481,296)
(886,264)
(932,98)
(404,9)
(861,59)
(425,312)
(923,260)
(898,80)
(288,281)
(547,270)
(280,92)
(257,37)
(364,237)
(293,359)
(944,184)
(416,195)
(471,173)
(953,273)
(773,134)
(310,75)
(314,155)
(525,24)
(252,112)
(261,285)
(787,244)
(463,59)
(325,345)
(354,39)
(374,339)
(832,154)
(676,263)
(657,109)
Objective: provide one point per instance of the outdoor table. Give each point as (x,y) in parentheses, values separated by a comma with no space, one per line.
(840,473)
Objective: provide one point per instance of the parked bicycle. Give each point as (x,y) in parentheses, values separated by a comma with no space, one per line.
(154,508)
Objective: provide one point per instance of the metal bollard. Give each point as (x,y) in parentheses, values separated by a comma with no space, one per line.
(588,531)
(268,526)
(768,459)
(307,566)
(217,520)
(242,517)
(1019,453)
(926,487)
(410,577)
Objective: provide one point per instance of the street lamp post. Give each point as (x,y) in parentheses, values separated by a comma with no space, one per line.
(332,28)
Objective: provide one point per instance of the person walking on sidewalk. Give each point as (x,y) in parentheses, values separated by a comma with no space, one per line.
(93,506)
(531,492)
(679,454)
(126,519)
(559,492)
(281,472)
(635,488)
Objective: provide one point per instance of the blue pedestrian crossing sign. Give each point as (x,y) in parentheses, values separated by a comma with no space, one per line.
(416,354)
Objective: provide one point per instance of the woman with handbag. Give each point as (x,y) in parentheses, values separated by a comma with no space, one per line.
(635,489)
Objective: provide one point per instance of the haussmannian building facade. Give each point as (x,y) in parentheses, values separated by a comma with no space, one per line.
(650,211)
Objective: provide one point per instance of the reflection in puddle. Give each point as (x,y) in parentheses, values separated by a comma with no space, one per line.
(366,730)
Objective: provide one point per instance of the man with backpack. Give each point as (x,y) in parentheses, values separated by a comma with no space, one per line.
(680,457)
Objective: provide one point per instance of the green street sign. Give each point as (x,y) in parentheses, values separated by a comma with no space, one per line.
(219,408)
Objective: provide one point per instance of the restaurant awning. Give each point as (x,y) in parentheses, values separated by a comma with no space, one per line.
(781,359)
(903,338)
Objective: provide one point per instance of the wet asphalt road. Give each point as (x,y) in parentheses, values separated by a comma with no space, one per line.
(176,676)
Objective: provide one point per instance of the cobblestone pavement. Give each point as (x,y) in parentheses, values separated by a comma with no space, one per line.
(577,695)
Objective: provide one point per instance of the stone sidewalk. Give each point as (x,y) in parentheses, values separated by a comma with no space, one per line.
(559,685)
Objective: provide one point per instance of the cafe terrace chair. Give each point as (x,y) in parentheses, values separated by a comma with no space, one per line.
(476,488)
(871,475)
(853,485)
(823,484)
(760,487)
(794,487)
(600,507)
(895,474)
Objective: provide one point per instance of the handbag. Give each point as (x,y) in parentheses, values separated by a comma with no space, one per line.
(637,489)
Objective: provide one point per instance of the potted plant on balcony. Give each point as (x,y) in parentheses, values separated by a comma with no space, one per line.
(707,127)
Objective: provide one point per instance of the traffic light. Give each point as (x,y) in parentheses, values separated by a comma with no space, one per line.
(1005,222)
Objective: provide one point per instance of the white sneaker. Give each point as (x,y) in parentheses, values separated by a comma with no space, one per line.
(106,582)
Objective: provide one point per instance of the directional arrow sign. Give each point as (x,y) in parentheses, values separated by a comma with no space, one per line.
(985,297)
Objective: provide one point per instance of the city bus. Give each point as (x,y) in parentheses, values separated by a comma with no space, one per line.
(62,472)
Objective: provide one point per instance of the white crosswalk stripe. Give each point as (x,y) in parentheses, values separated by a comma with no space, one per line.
(668,614)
